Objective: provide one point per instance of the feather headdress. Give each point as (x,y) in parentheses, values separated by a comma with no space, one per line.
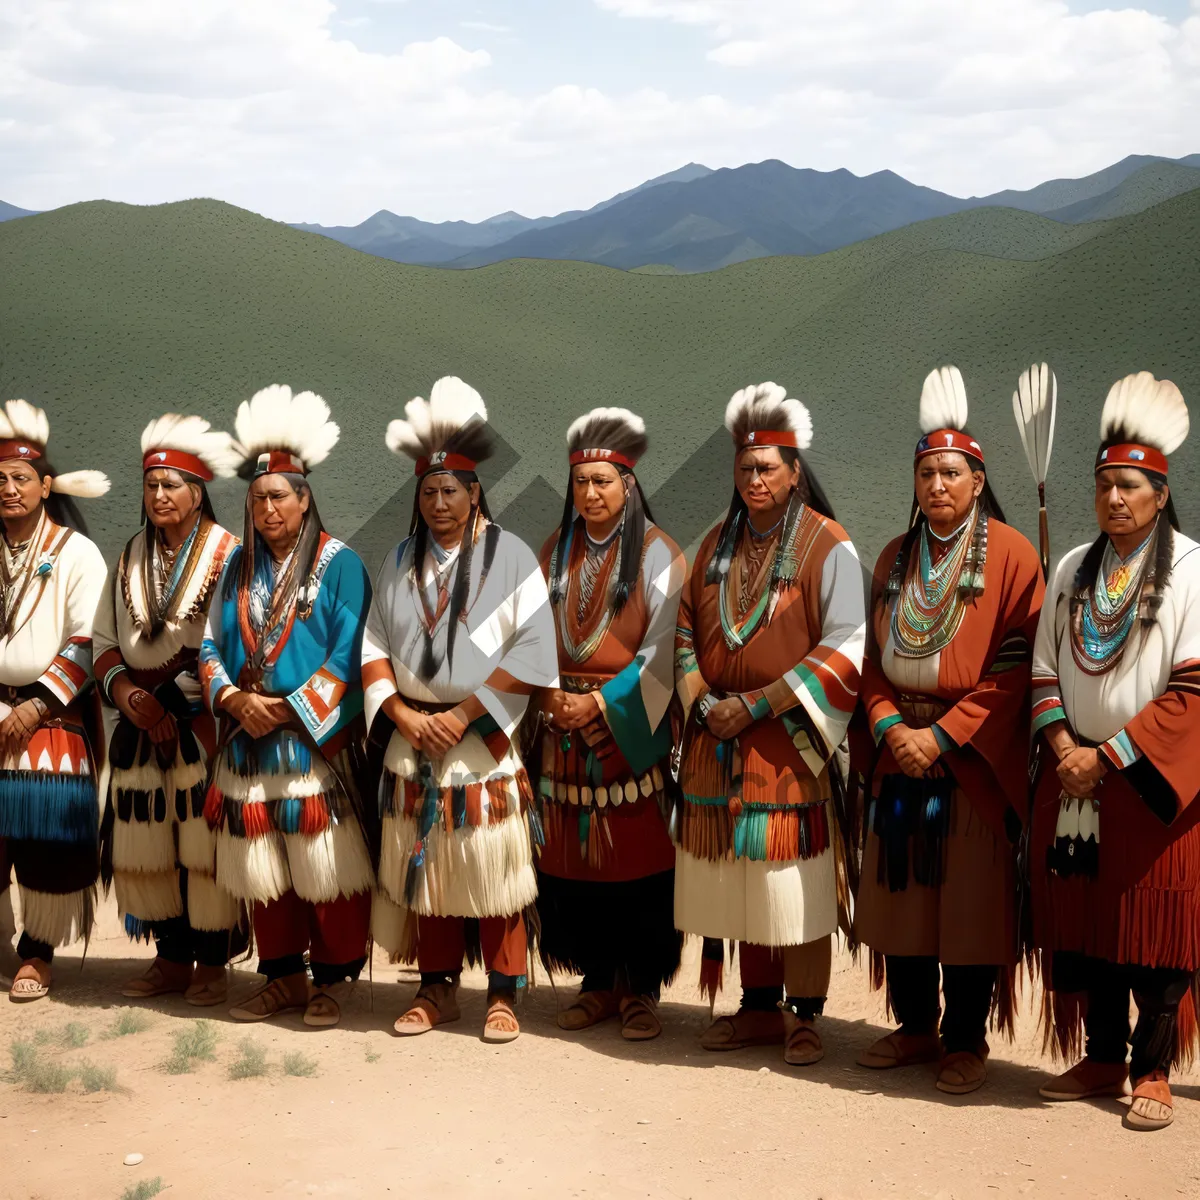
(282,433)
(1035,403)
(24,434)
(607,435)
(762,415)
(943,415)
(447,432)
(189,444)
(1144,412)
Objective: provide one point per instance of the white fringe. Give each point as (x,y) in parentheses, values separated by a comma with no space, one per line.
(197,845)
(57,920)
(147,846)
(475,871)
(209,908)
(390,925)
(320,867)
(148,896)
(149,776)
(329,864)
(767,903)
(272,787)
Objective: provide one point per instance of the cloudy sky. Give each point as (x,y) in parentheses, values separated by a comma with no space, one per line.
(327,110)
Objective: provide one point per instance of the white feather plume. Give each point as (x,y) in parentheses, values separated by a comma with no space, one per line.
(943,400)
(24,421)
(85,484)
(428,424)
(1035,403)
(194,435)
(1144,409)
(766,406)
(275,419)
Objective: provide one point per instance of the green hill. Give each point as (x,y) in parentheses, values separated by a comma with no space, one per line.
(112,314)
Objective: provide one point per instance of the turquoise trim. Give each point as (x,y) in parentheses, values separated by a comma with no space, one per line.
(945,742)
(816,689)
(626,716)
(883,725)
(1057,713)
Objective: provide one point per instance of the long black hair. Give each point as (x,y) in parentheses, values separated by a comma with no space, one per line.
(418,532)
(633,538)
(808,492)
(305,554)
(989,507)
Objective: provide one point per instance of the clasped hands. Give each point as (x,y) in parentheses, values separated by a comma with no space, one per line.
(1080,769)
(257,715)
(572,710)
(144,710)
(915,750)
(727,718)
(19,726)
(435,734)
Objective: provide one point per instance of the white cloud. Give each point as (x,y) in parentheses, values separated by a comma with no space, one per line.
(284,106)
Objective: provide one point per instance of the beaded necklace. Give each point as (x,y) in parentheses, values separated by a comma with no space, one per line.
(931,601)
(1106,612)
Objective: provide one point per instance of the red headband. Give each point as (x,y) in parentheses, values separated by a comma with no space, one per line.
(177,460)
(609,456)
(1131,454)
(768,437)
(279,462)
(18,449)
(941,440)
(441,461)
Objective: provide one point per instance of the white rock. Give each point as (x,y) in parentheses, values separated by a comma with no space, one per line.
(132,1160)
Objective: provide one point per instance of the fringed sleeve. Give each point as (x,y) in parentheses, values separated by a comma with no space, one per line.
(378,675)
(70,671)
(635,701)
(331,697)
(824,685)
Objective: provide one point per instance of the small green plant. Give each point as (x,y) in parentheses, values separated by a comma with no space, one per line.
(97,1079)
(197,1042)
(145,1190)
(73,1036)
(299,1064)
(129,1021)
(251,1064)
(373,1055)
(43,1037)
(34,1073)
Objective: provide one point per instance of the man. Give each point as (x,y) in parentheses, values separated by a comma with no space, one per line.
(460,634)
(155,842)
(1116,833)
(279,664)
(51,577)
(768,654)
(606,875)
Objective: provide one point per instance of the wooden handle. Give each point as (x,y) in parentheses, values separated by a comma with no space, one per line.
(1044,541)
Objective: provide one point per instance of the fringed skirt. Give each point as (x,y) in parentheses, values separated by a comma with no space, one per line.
(50,817)
(755,861)
(458,837)
(283,822)
(153,825)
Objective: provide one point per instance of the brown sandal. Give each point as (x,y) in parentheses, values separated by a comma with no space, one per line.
(162,978)
(1152,1107)
(1087,1079)
(436,1004)
(31,982)
(962,1072)
(588,1009)
(207,989)
(901,1050)
(500,1025)
(734,1032)
(279,996)
(639,1019)
(802,1046)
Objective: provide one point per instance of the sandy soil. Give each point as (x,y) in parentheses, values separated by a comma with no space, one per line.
(548,1115)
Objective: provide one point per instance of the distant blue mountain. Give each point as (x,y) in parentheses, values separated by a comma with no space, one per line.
(9,212)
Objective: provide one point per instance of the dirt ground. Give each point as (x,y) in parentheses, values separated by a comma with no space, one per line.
(549,1115)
